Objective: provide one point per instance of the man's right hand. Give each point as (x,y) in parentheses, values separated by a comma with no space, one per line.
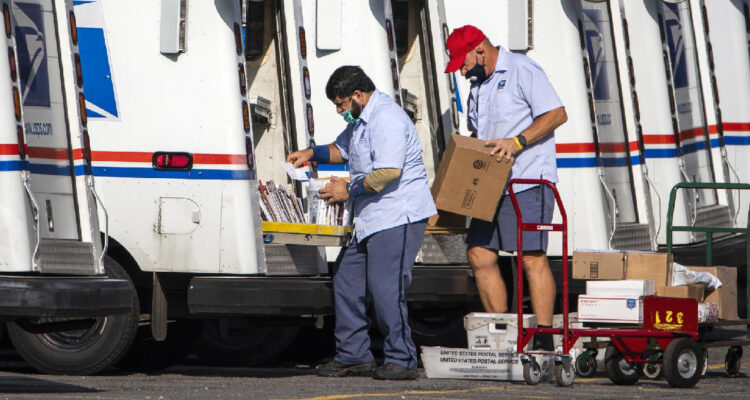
(299,158)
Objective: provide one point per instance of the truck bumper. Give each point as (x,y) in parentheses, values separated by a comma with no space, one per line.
(299,296)
(63,296)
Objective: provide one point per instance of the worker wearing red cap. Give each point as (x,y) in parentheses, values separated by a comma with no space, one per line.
(515,110)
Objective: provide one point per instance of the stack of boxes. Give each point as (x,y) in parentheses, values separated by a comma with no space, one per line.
(617,281)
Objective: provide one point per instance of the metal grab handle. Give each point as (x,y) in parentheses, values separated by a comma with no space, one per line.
(614,205)
(106,223)
(658,197)
(521,227)
(37,228)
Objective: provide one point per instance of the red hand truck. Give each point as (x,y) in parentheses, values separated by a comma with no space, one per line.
(670,325)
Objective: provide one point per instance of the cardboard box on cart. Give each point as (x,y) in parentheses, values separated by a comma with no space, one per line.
(726,295)
(470,181)
(617,265)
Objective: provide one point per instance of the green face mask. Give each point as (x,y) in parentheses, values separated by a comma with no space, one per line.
(347,115)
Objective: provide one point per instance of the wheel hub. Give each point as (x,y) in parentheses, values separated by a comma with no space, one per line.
(687,363)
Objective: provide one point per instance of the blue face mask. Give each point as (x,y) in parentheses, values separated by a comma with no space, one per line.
(348,117)
(477,73)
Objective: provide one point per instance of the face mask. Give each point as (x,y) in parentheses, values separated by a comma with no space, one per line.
(476,73)
(348,117)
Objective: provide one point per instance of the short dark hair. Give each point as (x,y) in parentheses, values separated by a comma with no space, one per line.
(345,80)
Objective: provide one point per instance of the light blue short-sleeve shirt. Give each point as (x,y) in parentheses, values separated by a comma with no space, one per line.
(385,137)
(506,103)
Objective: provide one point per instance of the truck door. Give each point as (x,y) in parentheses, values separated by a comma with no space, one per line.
(52,161)
(688,116)
(613,150)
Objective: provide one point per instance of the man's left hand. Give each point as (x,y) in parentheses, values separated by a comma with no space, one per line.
(335,191)
(503,148)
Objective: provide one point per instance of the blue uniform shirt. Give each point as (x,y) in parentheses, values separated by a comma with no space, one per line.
(385,137)
(506,103)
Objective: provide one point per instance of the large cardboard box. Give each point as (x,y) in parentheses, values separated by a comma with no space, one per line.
(607,265)
(623,310)
(654,266)
(624,288)
(470,181)
(688,292)
(726,295)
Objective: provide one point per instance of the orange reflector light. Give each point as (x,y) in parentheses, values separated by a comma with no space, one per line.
(86,147)
(394,73)
(306,81)
(22,151)
(82,108)
(302,43)
(389,28)
(73,28)
(6,16)
(310,121)
(246,116)
(17,103)
(12,61)
(79,73)
(238,38)
(243,78)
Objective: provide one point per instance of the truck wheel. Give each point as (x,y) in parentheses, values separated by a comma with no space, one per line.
(240,342)
(81,351)
(444,329)
(148,355)
(619,371)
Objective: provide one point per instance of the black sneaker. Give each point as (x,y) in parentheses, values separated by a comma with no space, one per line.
(543,342)
(395,372)
(335,368)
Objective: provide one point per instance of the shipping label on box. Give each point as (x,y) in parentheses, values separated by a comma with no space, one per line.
(648,265)
(470,181)
(591,264)
(624,288)
(610,309)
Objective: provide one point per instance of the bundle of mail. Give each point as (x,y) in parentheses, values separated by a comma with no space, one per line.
(280,205)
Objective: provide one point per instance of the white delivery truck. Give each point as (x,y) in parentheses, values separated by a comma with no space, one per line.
(171,124)
(52,281)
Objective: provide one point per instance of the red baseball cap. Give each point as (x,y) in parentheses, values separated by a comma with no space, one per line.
(459,43)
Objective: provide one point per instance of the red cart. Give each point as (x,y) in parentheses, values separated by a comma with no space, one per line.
(670,325)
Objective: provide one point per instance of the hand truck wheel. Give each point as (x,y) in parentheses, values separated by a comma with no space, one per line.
(652,370)
(619,371)
(564,374)
(532,373)
(586,364)
(683,362)
(733,360)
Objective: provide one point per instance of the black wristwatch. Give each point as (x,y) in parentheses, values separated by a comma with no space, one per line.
(521,140)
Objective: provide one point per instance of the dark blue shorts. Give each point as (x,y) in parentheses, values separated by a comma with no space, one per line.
(537,205)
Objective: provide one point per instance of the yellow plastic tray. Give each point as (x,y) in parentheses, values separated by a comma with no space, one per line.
(305,234)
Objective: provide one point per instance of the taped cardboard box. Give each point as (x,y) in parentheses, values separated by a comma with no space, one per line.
(687,292)
(470,181)
(654,266)
(606,265)
(725,296)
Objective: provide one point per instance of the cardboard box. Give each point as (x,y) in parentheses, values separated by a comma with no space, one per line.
(469,181)
(654,266)
(607,265)
(725,296)
(446,222)
(625,288)
(687,292)
(489,331)
(625,310)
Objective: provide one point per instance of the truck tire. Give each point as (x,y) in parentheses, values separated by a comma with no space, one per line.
(243,343)
(82,351)
(149,355)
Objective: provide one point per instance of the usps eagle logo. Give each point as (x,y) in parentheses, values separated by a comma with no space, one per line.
(32,54)
(501,85)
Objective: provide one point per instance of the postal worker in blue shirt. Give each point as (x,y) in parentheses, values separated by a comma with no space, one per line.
(391,201)
(515,110)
